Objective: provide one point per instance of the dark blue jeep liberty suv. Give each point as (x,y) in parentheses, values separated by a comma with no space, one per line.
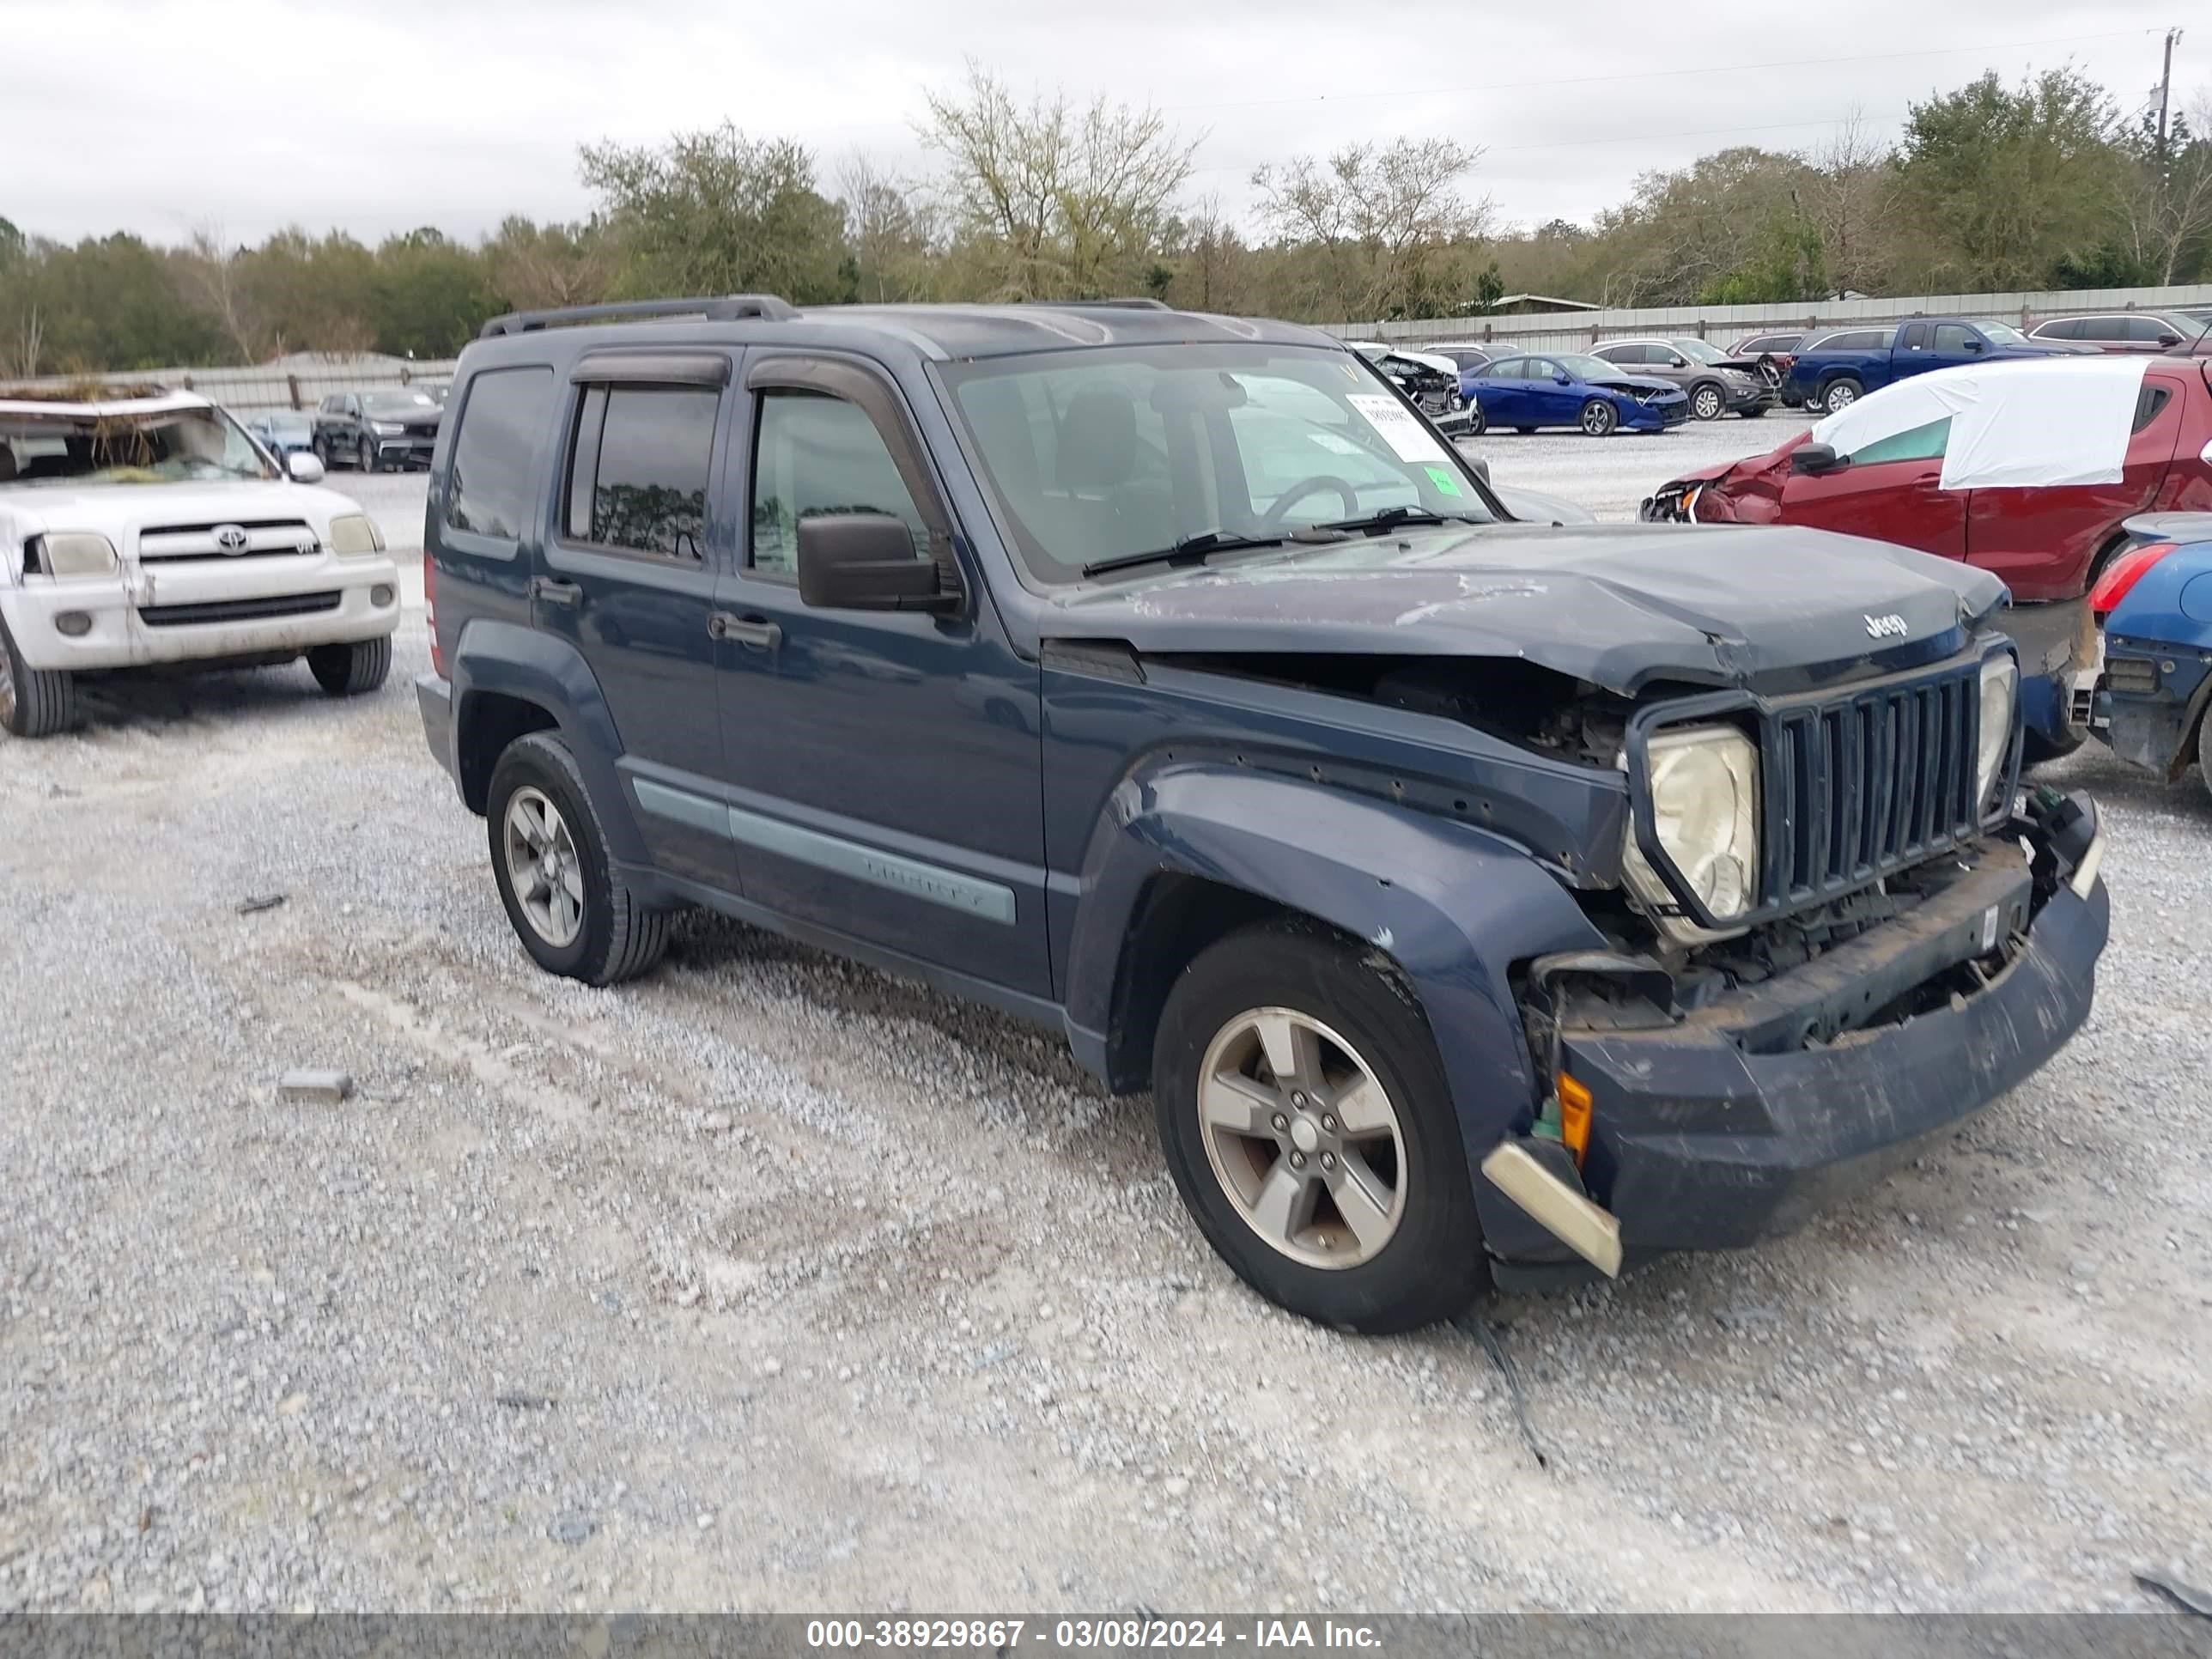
(1480,901)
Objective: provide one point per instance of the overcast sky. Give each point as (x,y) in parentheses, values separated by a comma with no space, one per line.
(375,116)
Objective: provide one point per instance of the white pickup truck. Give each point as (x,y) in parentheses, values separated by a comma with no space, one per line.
(141,527)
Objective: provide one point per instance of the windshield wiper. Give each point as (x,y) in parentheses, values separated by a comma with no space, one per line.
(1391,517)
(1190,550)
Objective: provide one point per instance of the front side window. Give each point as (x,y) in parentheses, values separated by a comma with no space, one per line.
(1952,336)
(496,452)
(818,456)
(638,471)
(1919,443)
(1104,453)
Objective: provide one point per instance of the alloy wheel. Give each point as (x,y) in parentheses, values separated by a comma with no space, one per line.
(1302,1137)
(1708,406)
(542,867)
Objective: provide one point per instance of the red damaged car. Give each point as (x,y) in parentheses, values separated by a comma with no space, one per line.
(2028,468)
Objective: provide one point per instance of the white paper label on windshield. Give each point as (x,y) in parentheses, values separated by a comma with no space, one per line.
(1408,439)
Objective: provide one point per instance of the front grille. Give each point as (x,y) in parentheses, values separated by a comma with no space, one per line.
(232,611)
(1862,786)
(2132,676)
(198,541)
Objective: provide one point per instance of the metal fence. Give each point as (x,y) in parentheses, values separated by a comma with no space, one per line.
(1579,329)
(298,382)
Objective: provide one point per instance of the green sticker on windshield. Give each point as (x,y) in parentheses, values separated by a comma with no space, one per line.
(1441,477)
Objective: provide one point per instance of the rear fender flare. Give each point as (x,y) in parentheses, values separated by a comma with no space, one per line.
(1452,907)
(504,658)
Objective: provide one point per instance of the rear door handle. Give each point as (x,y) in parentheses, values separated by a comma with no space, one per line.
(566,594)
(755,632)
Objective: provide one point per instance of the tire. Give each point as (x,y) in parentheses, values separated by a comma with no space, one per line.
(2204,751)
(1841,393)
(1707,401)
(364,456)
(1418,1256)
(1477,421)
(1599,418)
(35,702)
(350,670)
(615,936)
(2037,750)
(322,450)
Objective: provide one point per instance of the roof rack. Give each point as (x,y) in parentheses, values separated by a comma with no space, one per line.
(1132,303)
(728,307)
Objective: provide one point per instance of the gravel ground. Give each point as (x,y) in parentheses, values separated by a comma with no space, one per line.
(773,1282)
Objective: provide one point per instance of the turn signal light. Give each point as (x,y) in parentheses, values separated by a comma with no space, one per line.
(1574,1115)
(2121,575)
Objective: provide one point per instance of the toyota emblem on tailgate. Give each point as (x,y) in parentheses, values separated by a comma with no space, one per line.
(230,537)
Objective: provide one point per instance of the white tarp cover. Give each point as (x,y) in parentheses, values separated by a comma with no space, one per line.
(2013,425)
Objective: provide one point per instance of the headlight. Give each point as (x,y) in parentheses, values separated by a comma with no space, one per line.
(386,429)
(76,553)
(2000,689)
(1704,802)
(355,534)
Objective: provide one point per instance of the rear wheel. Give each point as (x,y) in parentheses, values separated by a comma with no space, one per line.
(1599,417)
(1706,402)
(350,670)
(1841,393)
(568,905)
(35,702)
(1306,1120)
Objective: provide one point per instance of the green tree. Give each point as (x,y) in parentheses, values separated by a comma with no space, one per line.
(1380,218)
(2000,185)
(428,296)
(716,212)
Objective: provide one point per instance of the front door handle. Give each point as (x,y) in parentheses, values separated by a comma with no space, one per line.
(569,595)
(755,632)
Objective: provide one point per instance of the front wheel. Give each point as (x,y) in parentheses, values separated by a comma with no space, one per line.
(1599,417)
(548,855)
(1477,421)
(364,456)
(350,670)
(35,702)
(2039,748)
(1706,402)
(1307,1122)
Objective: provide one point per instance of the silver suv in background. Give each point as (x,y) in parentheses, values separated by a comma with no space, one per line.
(1716,383)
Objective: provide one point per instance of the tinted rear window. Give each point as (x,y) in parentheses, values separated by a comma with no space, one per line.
(638,479)
(496,452)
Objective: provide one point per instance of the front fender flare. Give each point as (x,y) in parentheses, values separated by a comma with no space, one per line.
(1452,906)
(505,659)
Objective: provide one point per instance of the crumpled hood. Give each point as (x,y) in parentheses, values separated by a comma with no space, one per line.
(1633,383)
(1619,606)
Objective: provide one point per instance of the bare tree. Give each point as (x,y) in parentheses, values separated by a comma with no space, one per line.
(213,276)
(1381,216)
(30,342)
(2168,210)
(1064,203)
(890,226)
(1850,197)
(543,267)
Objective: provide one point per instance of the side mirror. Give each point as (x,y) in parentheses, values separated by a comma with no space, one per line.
(2169,339)
(1973,345)
(302,467)
(1562,376)
(1815,459)
(865,561)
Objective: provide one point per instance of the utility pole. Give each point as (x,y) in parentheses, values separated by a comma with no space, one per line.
(2166,88)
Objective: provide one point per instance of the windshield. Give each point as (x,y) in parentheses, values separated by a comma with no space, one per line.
(1699,351)
(1587,368)
(2002,333)
(288,421)
(171,446)
(396,403)
(1098,455)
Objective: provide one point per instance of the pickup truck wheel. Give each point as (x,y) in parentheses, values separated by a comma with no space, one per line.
(1841,393)
(1307,1122)
(1599,417)
(350,670)
(1706,402)
(35,702)
(549,856)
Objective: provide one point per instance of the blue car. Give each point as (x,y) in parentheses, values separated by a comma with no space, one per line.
(285,431)
(1571,389)
(2153,610)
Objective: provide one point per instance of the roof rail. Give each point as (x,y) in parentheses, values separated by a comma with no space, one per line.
(1132,303)
(728,307)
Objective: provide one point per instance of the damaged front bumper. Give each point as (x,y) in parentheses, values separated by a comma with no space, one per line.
(1736,1121)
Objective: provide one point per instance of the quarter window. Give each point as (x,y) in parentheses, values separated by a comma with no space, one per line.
(819,455)
(496,450)
(638,471)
